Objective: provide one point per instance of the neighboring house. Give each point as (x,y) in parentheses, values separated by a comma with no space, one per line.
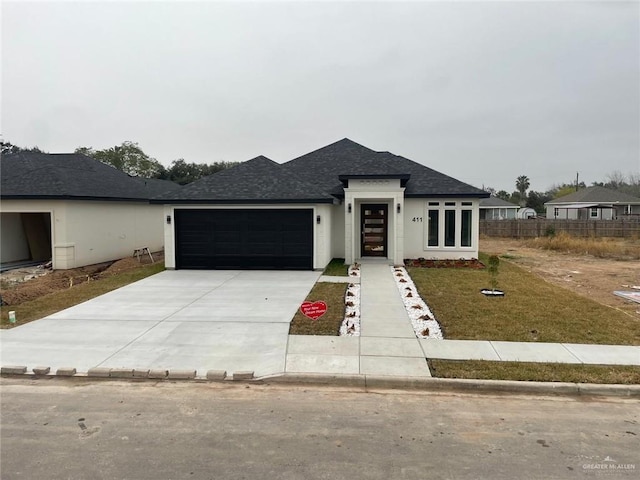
(494,208)
(341,201)
(75,211)
(594,203)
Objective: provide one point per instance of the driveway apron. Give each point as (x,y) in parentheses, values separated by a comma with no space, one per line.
(185,319)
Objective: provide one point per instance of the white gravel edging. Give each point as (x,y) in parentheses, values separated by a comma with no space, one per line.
(351,324)
(424,322)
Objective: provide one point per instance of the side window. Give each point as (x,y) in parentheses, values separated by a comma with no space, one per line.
(449,228)
(433,227)
(465,230)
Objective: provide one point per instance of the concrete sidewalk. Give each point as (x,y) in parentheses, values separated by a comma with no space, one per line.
(388,345)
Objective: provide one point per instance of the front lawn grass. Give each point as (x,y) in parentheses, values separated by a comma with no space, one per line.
(531,311)
(337,268)
(54,302)
(538,372)
(329,324)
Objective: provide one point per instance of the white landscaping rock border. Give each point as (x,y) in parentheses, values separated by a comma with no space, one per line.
(424,322)
(351,324)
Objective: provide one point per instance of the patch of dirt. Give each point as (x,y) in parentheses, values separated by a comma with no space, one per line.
(589,276)
(24,284)
(425,263)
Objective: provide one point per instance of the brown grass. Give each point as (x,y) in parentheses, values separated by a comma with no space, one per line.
(539,372)
(531,311)
(59,300)
(598,247)
(329,324)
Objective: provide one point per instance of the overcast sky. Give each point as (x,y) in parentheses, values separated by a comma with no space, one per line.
(481,91)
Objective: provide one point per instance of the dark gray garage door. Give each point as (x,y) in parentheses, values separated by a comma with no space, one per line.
(244,239)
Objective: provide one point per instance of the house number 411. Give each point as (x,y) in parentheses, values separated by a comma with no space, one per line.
(417,219)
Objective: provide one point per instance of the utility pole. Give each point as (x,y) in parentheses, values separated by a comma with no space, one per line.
(577,176)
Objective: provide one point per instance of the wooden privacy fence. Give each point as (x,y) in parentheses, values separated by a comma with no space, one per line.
(540,227)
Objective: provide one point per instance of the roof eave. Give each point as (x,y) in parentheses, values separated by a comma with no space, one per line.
(73,197)
(241,201)
(447,195)
(403,177)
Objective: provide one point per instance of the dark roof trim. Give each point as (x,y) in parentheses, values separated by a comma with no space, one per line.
(403,177)
(242,201)
(448,195)
(71,197)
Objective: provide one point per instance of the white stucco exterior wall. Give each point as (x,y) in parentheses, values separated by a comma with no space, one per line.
(337,230)
(103,231)
(89,232)
(416,233)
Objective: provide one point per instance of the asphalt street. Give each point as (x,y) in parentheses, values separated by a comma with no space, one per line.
(77,429)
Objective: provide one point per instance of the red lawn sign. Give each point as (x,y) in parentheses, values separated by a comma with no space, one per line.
(313,310)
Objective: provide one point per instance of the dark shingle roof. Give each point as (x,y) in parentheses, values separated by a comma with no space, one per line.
(259,180)
(595,195)
(156,186)
(70,176)
(316,177)
(496,202)
(347,158)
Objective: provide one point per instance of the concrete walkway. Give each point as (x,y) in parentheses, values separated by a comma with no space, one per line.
(388,345)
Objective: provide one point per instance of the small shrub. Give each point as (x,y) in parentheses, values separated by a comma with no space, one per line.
(494,264)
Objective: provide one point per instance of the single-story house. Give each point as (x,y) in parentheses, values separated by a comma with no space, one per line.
(494,208)
(593,203)
(341,201)
(75,211)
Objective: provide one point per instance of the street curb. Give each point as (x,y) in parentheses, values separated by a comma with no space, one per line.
(430,384)
(365,382)
(318,379)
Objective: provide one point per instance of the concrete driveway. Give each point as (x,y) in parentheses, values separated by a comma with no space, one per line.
(204,320)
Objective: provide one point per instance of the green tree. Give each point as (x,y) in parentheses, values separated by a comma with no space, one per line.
(516,198)
(560,190)
(490,190)
(522,185)
(503,195)
(8,147)
(493,269)
(536,200)
(564,190)
(183,172)
(128,158)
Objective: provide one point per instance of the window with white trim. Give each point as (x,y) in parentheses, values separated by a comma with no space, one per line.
(433,224)
(594,212)
(449,225)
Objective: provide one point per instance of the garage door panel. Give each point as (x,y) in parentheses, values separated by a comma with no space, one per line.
(244,239)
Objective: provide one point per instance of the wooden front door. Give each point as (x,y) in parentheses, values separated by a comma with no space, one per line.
(374,229)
